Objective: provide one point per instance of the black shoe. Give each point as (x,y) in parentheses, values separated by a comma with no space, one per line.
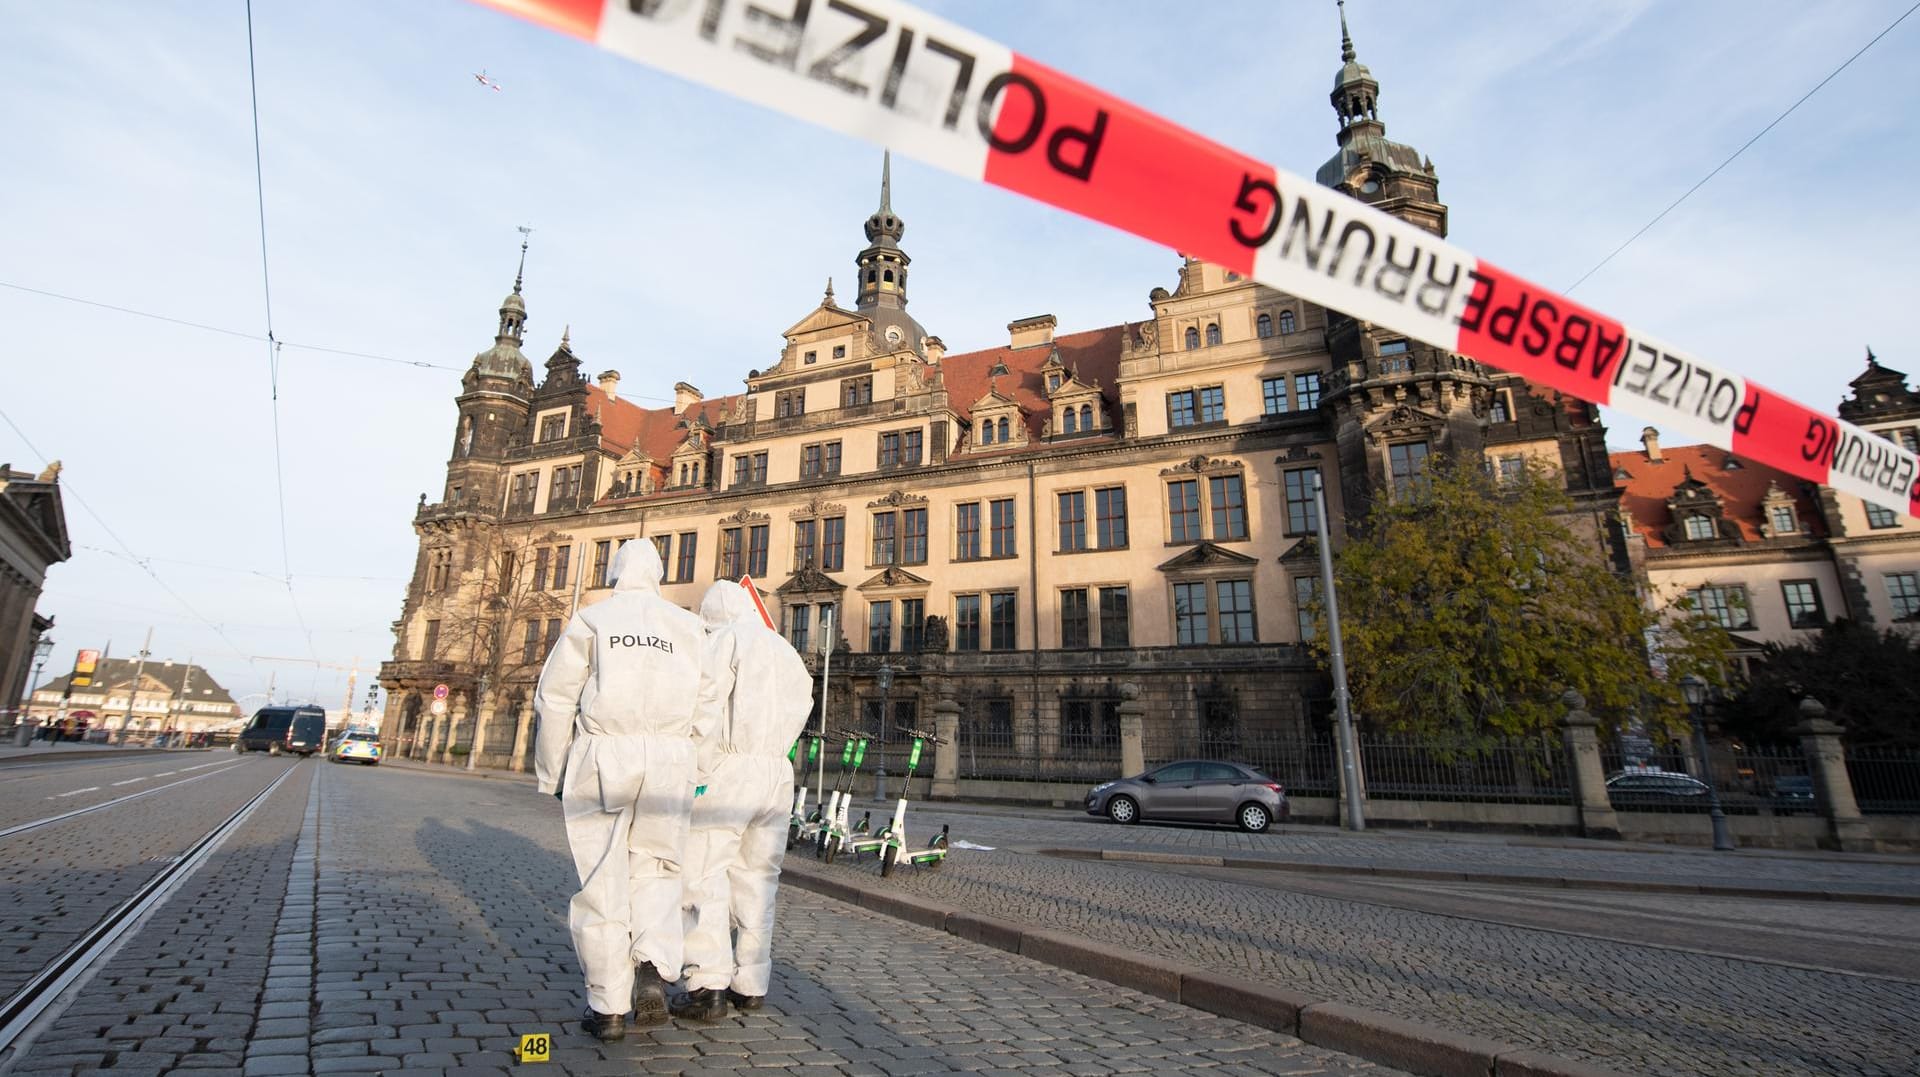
(745,1002)
(605,1027)
(649,996)
(704,1004)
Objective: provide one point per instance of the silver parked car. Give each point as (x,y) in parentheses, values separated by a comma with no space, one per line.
(1193,790)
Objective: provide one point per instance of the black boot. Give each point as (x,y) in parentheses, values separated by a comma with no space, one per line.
(649,996)
(605,1027)
(704,1004)
(745,1002)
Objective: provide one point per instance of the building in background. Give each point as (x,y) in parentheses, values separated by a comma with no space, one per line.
(1022,528)
(33,538)
(170,697)
(1772,557)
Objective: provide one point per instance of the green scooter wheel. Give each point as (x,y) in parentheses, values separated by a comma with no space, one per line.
(833,849)
(887,857)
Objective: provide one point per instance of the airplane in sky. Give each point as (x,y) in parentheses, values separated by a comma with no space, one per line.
(483,80)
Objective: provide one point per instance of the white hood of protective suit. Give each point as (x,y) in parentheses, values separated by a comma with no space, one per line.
(627,666)
(766,689)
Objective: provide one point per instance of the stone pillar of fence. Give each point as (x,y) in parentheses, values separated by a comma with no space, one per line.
(1580,731)
(1133,731)
(946,754)
(1832,786)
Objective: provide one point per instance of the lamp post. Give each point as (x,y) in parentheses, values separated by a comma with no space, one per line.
(1696,692)
(23,726)
(1356,818)
(885,679)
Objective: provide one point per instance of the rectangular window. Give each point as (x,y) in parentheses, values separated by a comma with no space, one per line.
(541,559)
(1306,592)
(1002,606)
(742,469)
(1783,521)
(830,629)
(1273,395)
(880,627)
(1073,618)
(966,531)
(1406,462)
(1213,404)
(553,428)
(1181,409)
(1073,522)
(1236,610)
(890,450)
(1303,512)
(1501,410)
(1903,592)
(856,391)
(688,541)
(1727,605)
(809,461)
(1803,603)
(1512,469)
(1189,613)
(1116,620)
(911,443)
(1110,511)
(430,647)
(804,534)
(913,537)
(1878,517)
(1229,495)
(757,537)
(839,351)
(833,543)
(913,624)
(759,475)
(732,555)
(602,553)
(884,551)
(1393,347)
(553,636)
(562,555)
(789,402)
(1183,510)
(820,460)
(900,448)
(1306,391)
(1002,517)
(1908,438)
(797,626)
(966,622)
(1076,726)
(566,484)
(1700,527)
(530,646)
(524,486)
(663,545)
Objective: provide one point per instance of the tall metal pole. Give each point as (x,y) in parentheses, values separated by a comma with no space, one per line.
(1349,758)
(826,674)
(186,694)
(139,670)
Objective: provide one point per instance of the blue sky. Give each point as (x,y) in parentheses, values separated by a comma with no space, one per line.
(678,232)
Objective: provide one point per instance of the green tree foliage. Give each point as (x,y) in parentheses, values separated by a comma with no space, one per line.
(1469,605)
(1870,682)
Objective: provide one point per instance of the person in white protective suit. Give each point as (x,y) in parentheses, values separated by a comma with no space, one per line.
(620,704)
(739,830)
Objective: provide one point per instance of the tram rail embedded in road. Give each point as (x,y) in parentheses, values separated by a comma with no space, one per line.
(18,1013)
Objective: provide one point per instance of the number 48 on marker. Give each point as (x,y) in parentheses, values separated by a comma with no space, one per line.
(534,1047)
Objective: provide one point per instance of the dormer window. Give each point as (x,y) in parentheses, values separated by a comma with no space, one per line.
(553,428)
(1732,464)
(1782,518)
(1004,427)
(1700,527)
(1071,423)
(1053,382)
(986,432)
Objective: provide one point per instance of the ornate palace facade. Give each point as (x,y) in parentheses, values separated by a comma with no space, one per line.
(1023,529)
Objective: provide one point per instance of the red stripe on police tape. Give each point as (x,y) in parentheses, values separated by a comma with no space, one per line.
(1060,141)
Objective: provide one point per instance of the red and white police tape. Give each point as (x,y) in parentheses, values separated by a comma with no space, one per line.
(894,75)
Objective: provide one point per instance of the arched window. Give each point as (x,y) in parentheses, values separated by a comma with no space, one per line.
(1264,326)
(1073,421)
(1193,338)
(1003,428)
(986,432)
(1213,335)
(1286,321)
(1086,416)
(870,276)
(887,276)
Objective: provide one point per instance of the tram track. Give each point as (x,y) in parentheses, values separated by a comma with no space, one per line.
(21,828)
(20,1011)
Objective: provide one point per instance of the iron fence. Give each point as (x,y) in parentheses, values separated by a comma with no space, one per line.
(1530,770)
(1886,781)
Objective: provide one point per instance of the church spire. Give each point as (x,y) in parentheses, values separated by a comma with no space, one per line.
(883,265)
(1356,96)
(1347,54)
(513,309)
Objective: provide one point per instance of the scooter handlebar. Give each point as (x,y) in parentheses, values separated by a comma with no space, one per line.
(923,735)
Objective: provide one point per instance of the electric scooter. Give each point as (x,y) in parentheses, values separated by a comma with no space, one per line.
(833,828)
(817,820)
(893,839)
(799,817)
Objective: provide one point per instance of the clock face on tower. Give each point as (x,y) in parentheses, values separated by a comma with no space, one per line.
(894,335)
(1370,186)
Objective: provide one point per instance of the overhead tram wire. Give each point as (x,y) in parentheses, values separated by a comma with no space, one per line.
(68,488)
(290,345)
(1743,148)
(273,346)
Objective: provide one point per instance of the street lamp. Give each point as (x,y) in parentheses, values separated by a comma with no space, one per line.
(1695,690)
(885,679)
(23,726)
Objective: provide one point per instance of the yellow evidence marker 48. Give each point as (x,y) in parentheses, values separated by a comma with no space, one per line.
(535,1047)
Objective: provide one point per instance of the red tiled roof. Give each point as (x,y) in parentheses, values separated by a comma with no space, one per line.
(1093,356)
(657,431)
(1648,486)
